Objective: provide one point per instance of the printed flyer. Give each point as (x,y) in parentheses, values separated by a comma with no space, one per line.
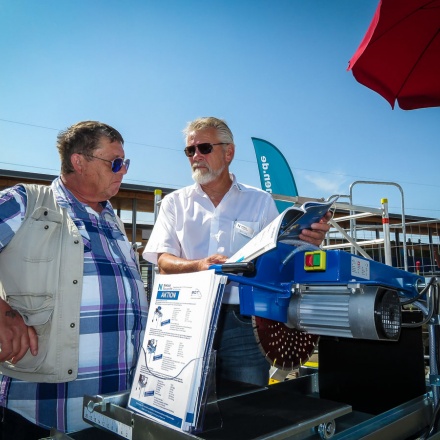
(174,358)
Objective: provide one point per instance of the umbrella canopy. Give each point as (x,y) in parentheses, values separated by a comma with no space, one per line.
(399,57)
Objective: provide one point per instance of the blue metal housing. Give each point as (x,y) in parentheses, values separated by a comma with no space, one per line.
(268,290)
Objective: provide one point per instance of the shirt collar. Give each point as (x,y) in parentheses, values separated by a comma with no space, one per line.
(63,196)
(234,182)
(66,199)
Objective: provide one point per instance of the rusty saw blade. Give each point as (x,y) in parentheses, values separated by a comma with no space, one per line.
(285,348)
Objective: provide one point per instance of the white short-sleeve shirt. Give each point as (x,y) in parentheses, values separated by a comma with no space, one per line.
(190,226)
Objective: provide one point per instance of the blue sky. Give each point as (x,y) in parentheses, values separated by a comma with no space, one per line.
(275,70)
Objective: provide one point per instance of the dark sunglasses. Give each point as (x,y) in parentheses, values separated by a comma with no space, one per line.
(205,148)
(116,163)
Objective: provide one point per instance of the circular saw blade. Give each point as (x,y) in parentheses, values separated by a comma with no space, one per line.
(285,348)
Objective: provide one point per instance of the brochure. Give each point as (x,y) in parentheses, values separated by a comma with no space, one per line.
(174,360)
(286,227)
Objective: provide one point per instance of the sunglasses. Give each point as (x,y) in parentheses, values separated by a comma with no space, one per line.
(204,148)
(116,163)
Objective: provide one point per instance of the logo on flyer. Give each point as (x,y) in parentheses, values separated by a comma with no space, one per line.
(168,294)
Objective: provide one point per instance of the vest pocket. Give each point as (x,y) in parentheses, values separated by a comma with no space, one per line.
(30,363)
(45,225)
(35,309)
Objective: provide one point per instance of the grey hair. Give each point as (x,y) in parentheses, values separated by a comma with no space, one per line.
(224,132)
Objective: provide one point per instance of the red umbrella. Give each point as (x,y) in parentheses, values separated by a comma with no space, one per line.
(399,57)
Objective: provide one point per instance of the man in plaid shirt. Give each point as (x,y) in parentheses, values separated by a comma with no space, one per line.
(72,302)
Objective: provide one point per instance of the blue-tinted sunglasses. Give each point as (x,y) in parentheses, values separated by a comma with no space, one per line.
(116,163)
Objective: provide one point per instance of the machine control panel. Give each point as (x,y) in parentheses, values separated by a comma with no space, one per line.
(315,260)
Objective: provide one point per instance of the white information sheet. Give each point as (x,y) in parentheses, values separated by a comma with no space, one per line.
(174,359)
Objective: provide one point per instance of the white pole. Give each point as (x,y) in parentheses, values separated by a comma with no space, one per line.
(157,200)
(386,231)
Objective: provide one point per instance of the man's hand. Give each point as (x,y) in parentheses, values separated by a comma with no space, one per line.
(171,264)
(16,338)
(212,259)
(316,234)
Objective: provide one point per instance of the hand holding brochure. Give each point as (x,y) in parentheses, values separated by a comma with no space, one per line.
(286,227)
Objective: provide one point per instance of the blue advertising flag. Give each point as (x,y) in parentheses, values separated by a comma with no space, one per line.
(275,174)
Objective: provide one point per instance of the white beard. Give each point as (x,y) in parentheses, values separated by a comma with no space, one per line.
(203,176)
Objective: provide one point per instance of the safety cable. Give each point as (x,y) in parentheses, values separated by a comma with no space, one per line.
(428,311)
(411,300)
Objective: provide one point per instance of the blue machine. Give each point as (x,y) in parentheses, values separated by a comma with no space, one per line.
(325,292)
